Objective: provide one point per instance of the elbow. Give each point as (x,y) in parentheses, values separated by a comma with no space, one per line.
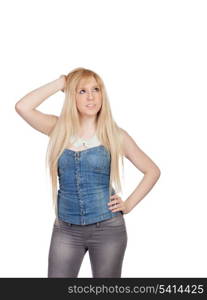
(158,173)
(155,172)
(17,107)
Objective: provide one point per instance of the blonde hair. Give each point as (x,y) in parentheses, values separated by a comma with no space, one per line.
(108,132)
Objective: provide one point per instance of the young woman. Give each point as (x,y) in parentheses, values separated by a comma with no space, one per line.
(84,151)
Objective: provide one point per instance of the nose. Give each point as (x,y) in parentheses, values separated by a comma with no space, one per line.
(90,95)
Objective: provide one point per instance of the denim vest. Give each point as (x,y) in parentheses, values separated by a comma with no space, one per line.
(84,193)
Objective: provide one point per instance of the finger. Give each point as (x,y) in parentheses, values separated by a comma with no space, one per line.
(118,199)
(114,196)
(115,207)
(113,202)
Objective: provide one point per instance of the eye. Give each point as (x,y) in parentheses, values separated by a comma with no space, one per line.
(95,89)
(81,91)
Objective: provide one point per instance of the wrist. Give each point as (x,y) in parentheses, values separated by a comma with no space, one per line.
(61,82)
(127,207)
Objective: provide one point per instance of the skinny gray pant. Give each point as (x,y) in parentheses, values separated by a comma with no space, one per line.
(106,242)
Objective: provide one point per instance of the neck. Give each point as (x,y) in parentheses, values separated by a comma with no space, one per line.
(87,126)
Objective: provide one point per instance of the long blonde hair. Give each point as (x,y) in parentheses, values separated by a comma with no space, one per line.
(68,124)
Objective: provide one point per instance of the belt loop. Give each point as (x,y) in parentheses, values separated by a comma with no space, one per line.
(97,224)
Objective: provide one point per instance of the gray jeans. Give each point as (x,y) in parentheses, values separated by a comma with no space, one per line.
(106,242)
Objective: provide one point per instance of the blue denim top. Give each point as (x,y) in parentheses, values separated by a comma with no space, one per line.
(84,191)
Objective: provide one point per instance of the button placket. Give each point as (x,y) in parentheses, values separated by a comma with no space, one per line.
(77,174)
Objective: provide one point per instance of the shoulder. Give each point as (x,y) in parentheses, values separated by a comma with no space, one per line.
(126,138)
(135,154)
(127,141)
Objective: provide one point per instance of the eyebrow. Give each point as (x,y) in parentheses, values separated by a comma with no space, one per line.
(84,87)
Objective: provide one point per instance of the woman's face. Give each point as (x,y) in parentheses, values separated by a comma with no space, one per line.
(88,97)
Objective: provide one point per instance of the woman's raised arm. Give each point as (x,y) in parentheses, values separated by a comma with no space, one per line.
(26,106)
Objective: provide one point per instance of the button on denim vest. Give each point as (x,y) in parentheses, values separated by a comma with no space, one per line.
(84,193)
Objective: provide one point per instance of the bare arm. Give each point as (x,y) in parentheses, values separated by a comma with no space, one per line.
(26,106)
(144,164)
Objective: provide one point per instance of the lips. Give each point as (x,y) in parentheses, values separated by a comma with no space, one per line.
(91,106)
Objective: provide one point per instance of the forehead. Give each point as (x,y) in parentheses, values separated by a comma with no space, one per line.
(87,82)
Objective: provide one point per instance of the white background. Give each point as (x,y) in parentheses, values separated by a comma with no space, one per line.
(152,58)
